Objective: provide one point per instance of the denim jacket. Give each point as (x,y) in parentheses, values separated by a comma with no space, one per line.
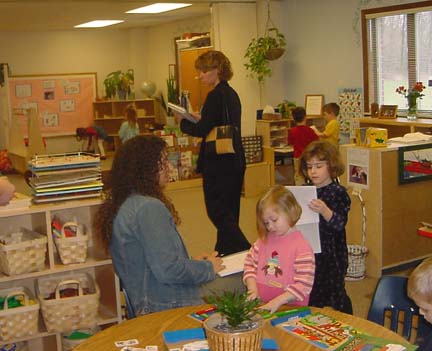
(151,259)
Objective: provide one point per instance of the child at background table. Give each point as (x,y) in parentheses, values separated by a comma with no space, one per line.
(280,266)
(299,137)
(94,133)
(130,127)
(331,130)
(320,164)
(420,290)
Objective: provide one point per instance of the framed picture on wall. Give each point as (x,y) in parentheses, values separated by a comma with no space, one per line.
(388,111)
(314,105)
(415,163)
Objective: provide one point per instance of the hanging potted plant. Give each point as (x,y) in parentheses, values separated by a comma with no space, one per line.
(119,83)
(234,326)
(261,51)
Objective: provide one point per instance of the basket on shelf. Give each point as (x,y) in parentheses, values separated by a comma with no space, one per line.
(71,249)
(22,252)
(21,321)
(65,313)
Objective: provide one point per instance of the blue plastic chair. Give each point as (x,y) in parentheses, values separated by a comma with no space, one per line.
(391,295)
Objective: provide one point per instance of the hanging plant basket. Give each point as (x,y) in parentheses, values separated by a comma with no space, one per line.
(274,53)
(262,50)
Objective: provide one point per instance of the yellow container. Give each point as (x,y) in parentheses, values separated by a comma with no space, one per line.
(371,137)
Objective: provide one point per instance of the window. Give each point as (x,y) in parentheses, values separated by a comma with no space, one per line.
(397,50)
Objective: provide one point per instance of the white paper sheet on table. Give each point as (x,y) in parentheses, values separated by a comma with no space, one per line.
(308,223)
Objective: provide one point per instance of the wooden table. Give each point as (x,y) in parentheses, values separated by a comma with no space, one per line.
(148,330)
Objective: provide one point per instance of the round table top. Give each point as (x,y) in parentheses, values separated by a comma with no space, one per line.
(148,330)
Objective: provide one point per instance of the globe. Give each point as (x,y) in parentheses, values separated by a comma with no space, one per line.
(148,88)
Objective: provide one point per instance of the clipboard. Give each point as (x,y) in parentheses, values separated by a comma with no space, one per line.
(182,111)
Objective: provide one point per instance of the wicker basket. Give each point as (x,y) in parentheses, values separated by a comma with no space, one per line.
(356,262)
(249,340)
(68,313)
(357,253)
(72,249)
(24,257)
(18,322)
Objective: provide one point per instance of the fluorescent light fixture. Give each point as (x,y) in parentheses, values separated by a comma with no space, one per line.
(158,8)
(98,24)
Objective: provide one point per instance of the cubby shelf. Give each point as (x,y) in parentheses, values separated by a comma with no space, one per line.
(98,264)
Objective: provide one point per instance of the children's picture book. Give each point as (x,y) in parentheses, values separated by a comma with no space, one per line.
(320,330)
(202,314)
(193,339)
(233,263)
(363,342)
(327,333)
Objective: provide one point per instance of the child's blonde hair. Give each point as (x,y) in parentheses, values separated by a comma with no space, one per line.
(323,151)
(283,200)
(420,281)
(131,115)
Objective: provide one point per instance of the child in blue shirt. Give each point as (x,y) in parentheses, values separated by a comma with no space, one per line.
(130,127)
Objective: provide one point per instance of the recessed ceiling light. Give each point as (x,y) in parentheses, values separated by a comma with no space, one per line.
(98,24)
(158,8)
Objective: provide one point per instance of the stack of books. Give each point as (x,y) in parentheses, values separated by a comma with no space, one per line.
(66,176)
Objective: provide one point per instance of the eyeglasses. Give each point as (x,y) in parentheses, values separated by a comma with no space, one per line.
(316,165)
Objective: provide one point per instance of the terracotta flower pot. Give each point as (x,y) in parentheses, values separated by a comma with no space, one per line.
(247,340)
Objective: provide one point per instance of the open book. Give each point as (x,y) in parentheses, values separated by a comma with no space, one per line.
(182,111)
(233,263)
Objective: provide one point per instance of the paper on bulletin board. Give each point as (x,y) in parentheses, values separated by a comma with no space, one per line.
(308,223)
(63,102)
(358,167)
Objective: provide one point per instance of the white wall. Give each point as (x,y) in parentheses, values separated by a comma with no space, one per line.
(323,52)
(148,51)
(324,46)
(233,26)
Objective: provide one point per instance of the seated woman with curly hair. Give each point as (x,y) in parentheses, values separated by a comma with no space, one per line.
(137,223)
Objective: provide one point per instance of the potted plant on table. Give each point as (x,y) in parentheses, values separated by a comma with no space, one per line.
(119,83)
(235,326)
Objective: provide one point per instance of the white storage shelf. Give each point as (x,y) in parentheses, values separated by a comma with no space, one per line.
(98,264)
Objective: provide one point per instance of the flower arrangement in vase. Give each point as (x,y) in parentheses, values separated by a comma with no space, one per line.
(416,92)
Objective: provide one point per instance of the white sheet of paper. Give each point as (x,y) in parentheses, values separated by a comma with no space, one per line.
(233,263)
(308,223)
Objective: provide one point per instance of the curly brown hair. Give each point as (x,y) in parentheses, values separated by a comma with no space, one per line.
(135,170)
(215,59)
(324,151)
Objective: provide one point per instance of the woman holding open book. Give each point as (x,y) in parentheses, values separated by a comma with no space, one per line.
(138,224)
(222,174)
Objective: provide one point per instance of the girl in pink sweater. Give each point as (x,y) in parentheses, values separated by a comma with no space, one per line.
(279,268)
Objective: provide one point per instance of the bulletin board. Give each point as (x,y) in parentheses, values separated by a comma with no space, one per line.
(63,102)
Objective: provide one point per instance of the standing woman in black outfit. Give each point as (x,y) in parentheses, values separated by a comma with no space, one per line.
(222,174)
